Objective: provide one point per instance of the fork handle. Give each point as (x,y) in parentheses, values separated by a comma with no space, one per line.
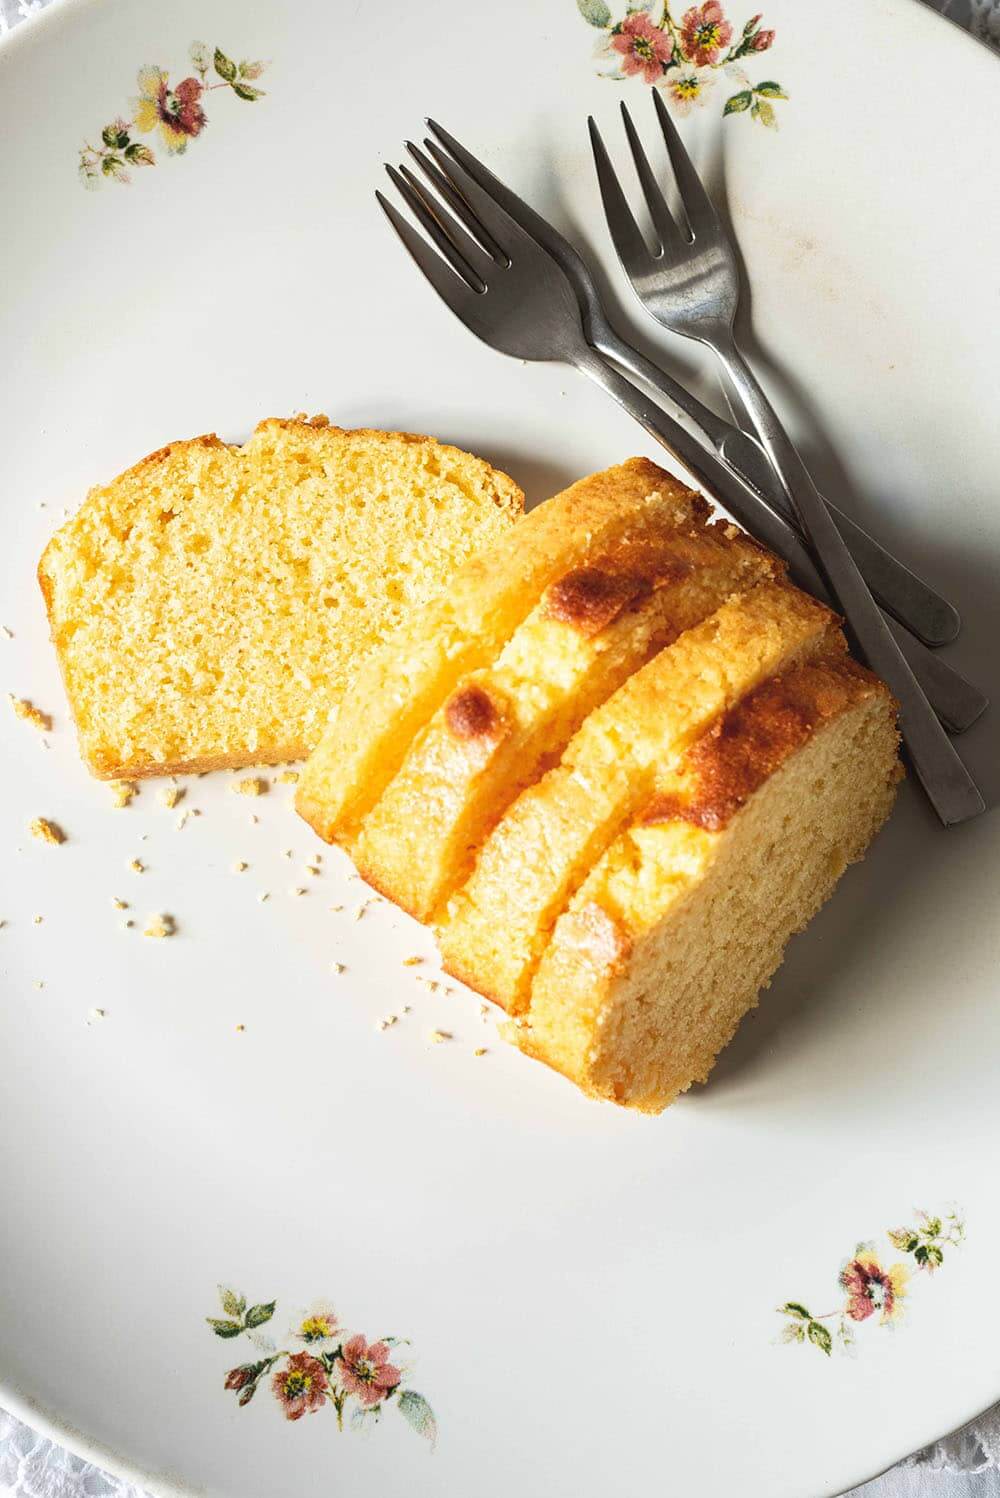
(954,699)
(913,602)
(950,788)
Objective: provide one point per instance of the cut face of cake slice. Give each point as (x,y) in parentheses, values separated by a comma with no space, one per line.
(497,926)
(502,726)
(464,629)
(685,917)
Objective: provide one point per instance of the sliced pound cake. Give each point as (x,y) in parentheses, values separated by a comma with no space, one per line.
(670,938)
(403,685)
(211,603)
(616,764)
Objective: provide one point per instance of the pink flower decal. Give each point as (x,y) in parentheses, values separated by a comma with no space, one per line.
(365,1370)
(301,1386)
(872,1293)
(685,56)
(760,41)
(644,48)
(705,34)
(871,1289)
(175,115)
(343,1372)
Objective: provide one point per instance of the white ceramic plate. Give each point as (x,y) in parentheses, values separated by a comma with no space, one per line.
(589,1296)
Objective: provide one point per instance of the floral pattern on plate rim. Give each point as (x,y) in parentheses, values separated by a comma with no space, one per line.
(328,1367)
(173,115)
(685,58)
(871,1289)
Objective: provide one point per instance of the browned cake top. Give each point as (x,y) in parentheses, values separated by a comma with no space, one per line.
(755,738)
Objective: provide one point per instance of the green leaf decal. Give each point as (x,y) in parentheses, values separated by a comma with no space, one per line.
(594,12)
(738,102)
(139,155)
(231,1303)
(793,1308)
(224,66)
(224,1328)
(905,1239)
(929,1256)
(418,1413)
(819,1337)
(770,90)
(244,91)
(257,1315)
(115,136)
(764,112)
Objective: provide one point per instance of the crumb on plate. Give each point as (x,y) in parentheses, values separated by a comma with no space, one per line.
(46,831)
(160,926)
(24,708)
(251,785)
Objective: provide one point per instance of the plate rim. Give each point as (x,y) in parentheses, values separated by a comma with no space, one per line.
(37,30)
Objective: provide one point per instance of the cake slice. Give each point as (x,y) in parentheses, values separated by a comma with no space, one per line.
(503,725)
(497,926)
(372,727)
(685,917)
(209,604)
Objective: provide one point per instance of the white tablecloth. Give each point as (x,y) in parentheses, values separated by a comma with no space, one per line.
(967,1465)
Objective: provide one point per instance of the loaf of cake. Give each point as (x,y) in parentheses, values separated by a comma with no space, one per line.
(210,604)
(616,766)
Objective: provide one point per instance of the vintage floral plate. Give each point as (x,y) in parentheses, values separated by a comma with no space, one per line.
(261,1233)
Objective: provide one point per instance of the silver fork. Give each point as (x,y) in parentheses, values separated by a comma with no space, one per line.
(930,617)
(514,296)
(956,701)
(691,285)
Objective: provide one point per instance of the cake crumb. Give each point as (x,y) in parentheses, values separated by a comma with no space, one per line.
(37,919)
(438,1037)
(137,866)
(254,819)
(239,866)
(46,831)
(127,925)
(337,967)
(93,1015)
(407,1008)
(286,853)
(122,792)
(412,961)
(336,909)
(118,903)
(479,1051)
(288,777)
(38,983)
(297,891)
(240,1029)
(24,708)
(312,869)
(8,634)
(264,895)
(252,785)
(181,822)
(170,795)
(388,1021)
(484,1012)
(160,926)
